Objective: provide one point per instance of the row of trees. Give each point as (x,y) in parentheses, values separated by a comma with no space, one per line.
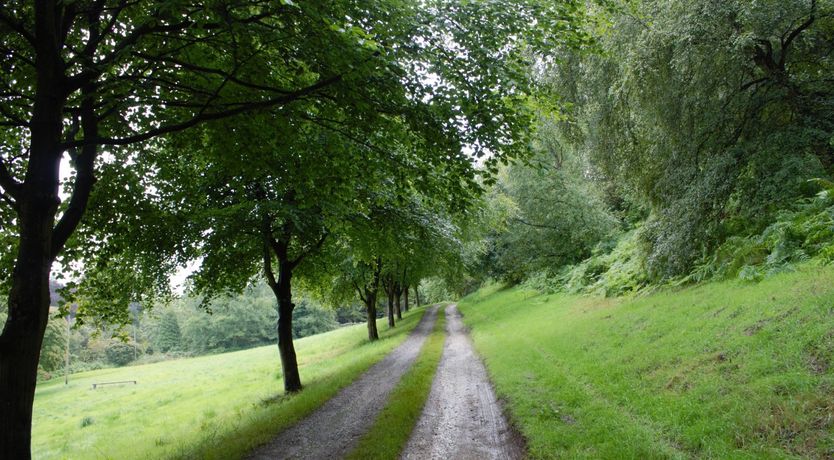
(272,140)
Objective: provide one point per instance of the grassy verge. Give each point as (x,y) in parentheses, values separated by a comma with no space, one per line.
(394,424)
(209,407)
(722,370)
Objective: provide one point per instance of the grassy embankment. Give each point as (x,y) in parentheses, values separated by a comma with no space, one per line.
(208,407)
(721,370)
(394,424)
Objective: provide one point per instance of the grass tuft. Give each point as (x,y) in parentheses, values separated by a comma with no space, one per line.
(86,421)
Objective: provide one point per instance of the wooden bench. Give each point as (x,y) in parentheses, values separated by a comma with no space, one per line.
(113,383)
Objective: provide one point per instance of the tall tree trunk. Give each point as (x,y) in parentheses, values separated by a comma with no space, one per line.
(289,361)
(370,299)
(398,299)
(405,294)
(20,351)
(370,307)
(390,308)
(282,288)
(37,201)
(417,294)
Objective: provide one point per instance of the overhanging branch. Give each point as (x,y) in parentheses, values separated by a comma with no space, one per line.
(204,117)
(8,182)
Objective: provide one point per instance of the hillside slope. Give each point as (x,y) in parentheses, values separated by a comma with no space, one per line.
(722,370)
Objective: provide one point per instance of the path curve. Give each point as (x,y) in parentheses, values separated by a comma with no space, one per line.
(462,418)
(335,428)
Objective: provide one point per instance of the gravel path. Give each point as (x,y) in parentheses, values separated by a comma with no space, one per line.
(332,430)
(462,418)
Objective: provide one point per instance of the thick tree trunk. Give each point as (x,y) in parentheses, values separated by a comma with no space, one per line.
(289,361)
(370,300)
(37,201)
(20,343)
(370,307)
(282,288)
(19,355)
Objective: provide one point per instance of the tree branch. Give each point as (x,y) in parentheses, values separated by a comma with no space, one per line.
(16,26)
(359,290)
(752,83)
(196,120)
(10,185)
(795,33)
(267,256)
(84,178)
(227,76)
(318,244)
(530,224)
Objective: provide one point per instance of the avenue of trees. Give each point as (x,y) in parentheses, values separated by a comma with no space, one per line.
(349,152)
(276,141)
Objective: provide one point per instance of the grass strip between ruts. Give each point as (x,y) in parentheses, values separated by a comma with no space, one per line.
(394,424)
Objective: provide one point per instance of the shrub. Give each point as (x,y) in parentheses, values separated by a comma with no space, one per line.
(796,235)
(82,366)
(120,353)
(612,270)
(43,375)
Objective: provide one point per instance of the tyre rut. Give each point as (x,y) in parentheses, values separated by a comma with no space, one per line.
(335,428)
(462,418)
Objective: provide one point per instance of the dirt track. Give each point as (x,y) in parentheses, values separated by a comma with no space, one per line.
(332,430)
(462,418)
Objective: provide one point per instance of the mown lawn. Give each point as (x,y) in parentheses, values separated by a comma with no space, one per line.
(208,407)
(722,370)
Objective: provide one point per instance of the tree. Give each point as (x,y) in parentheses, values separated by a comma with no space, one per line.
(235,321)
(311,319)
(268,217)
(387,243)
(305,172)
(365,279)
(82,75)
(701,119)
(54,345)
(168,337)
(553,212)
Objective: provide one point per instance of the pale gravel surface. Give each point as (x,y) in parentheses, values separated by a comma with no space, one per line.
(335,428)
(462,418)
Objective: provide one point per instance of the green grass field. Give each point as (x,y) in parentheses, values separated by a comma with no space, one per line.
(394,424)
(209,407)
(722,370)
